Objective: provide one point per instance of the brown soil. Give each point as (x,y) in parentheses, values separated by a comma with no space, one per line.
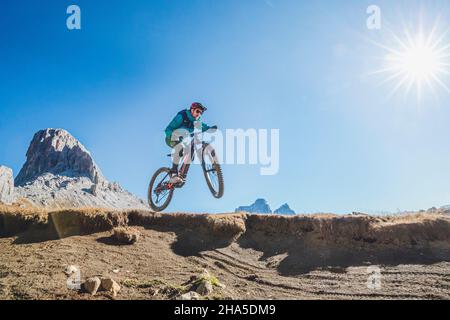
(255,256)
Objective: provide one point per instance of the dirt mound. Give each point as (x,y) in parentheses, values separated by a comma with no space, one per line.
(398,230)
(312,242)
(309,242)
(195,233)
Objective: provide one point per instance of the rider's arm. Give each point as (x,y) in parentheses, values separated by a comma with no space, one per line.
(174,125)
(205,127)
(210,129)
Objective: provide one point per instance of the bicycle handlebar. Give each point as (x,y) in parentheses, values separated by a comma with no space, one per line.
(193,134)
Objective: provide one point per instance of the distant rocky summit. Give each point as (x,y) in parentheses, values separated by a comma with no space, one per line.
(284,209)
(57,152)
(259,206)
(60,173)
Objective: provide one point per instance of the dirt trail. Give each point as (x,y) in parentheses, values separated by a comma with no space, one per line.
(256,257)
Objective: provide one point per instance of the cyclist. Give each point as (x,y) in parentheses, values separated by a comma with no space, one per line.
(185,122)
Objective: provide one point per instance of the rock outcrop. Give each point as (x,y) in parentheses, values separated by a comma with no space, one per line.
(260,206)
(284,209)
(57,152)
(60,173)
(6,185)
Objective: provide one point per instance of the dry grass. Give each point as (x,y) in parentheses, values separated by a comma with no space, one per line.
(86,221)
(16,218)
(231,223)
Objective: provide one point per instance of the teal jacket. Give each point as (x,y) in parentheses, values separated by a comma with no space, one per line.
(177,123)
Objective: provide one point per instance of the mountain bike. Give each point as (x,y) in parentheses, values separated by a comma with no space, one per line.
(160,190)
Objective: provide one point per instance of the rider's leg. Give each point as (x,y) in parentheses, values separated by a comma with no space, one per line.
(174,169)
(177,153)
(175,159)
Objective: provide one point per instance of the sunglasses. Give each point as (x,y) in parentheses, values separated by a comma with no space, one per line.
(198,111)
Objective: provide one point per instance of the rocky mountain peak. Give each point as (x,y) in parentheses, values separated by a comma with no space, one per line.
(57,152)
(259,206)
(61,173)
(284,209)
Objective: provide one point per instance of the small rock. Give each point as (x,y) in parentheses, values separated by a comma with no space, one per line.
(189,296)
(153,291)
(91,285)
(204,288)
(116,270)
(110,285)
(205,273)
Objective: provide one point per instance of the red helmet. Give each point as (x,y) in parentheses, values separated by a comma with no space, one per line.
(198,105)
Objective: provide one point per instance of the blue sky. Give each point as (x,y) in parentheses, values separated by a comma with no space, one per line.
(301,67)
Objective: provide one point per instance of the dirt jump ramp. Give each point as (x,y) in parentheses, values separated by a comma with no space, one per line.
(308,241)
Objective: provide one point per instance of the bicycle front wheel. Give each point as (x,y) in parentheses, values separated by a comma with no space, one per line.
(212,171)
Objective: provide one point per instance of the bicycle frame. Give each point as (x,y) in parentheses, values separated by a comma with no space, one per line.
(188,157)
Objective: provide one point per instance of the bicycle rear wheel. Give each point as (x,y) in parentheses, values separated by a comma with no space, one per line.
(160,192)
(212,171)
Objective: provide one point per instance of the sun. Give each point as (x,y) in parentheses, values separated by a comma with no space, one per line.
(420,61)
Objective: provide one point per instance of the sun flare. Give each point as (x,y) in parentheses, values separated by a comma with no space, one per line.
(420,62)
